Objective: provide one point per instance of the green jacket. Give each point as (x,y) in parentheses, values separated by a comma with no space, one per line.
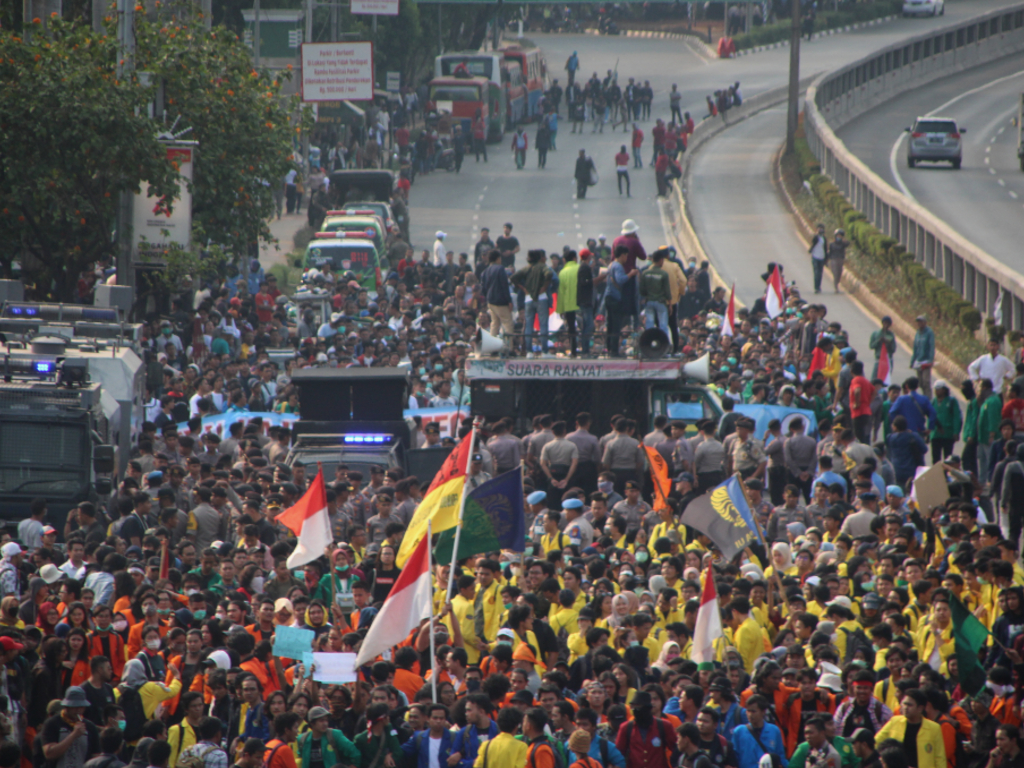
(846,754)
(368,745)
(989,417)
(533,279)
(949,418)
(567,288)
(880,337)
(337,750)
(886,429)
(654,285)
(971,420)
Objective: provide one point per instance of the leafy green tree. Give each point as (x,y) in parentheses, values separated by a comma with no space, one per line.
(73,137)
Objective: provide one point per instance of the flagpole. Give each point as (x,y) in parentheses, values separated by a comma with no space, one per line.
(433,659)
(462,510)
(753,515)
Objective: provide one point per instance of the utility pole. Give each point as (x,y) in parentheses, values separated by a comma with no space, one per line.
(793,115)
(125,69)
(256,34)
(440,44)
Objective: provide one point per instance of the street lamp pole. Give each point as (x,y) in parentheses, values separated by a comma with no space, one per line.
(792,117)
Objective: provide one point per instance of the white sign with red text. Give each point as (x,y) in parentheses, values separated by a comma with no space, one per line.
(337,71)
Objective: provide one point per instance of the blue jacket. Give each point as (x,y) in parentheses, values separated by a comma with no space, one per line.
(615,757)
(419,745)
(924,347)
(734,716)
(749,752)
(467,742)
(916,409)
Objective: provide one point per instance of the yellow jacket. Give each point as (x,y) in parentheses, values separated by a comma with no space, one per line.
(925,642)
(487,609)
(565,618)
(749,642)
(180,737)
(503,751)
(462,609)
(152,694)
(931,749)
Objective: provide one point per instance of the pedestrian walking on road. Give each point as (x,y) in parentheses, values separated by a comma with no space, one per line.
(519,145)
(571,66)
(818,251)
(638,141)
(583,174)
(837,257)
(884,337)
(479,129)
(675,99)
(542,142)
(552,120)
(622,169)
(923,357)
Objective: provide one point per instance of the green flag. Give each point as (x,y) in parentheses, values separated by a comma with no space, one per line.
(970,636)
(493,519)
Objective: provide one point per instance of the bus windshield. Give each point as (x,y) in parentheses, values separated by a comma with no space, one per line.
(455,93)
(478,67)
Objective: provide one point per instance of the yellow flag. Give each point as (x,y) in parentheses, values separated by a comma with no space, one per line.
(441,507)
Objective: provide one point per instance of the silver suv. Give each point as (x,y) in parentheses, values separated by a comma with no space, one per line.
(935,140)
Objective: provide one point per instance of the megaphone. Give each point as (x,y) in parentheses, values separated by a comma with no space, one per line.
(699,369)
(653,344)
(486,344)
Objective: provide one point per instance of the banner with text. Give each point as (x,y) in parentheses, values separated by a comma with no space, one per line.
(571,369)
(337,71)
(375,7)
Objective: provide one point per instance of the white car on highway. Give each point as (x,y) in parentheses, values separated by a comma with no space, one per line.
(935,140)
(923,7)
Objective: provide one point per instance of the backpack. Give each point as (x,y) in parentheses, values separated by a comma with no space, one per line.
(268,758)
(602,744)
(196,759)
(559,760)
(134,716)
(960,752)
(857,640)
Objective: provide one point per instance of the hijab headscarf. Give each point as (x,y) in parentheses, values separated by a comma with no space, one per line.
(134,675)
(41,622)
(782,548)
(620,610)
(663,660)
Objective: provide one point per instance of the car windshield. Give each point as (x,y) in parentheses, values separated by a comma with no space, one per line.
(455,93)
(480,67)
(935,126)
(338,257)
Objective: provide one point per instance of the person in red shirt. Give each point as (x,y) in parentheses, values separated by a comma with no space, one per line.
(862,392)
(622,169)
(264,303)
(658,136)
(638,140)
(1014,409)
(689,124)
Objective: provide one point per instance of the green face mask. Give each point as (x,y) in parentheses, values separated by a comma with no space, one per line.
(200,614)
(121,724)
(507,606)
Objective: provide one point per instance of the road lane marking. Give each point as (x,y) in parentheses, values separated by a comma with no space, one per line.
(893,168)
(992,171)
(986,161)
(1000,182)
(1013,194)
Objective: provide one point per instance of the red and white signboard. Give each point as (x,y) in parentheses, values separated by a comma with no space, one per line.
(337,71)
(153,229)
(375,7)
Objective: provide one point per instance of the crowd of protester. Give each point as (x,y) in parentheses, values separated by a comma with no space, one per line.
(142,630)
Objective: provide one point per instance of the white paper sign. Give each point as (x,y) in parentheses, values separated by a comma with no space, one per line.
(394,82)
(337,71)
(334,667)
(376,7)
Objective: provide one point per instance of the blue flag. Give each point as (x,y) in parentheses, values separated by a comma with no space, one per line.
(723,515)
(494,519)
(762,414)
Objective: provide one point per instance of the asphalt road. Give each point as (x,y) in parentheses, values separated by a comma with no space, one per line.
(743,225)
(984,199)
(541,203)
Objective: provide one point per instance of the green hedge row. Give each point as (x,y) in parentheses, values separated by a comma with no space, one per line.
(851,14)
(887,253)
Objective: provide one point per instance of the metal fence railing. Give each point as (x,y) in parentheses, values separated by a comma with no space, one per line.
(837,97)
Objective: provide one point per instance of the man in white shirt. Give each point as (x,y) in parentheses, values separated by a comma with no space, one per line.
(993,366)
(439,249)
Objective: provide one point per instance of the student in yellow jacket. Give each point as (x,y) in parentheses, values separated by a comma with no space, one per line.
(929,746)
(747,633)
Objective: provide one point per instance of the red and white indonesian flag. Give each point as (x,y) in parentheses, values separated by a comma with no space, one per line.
(729,323)
(709,622)
(408,603)
(774,300)
(884,367)
(309,520)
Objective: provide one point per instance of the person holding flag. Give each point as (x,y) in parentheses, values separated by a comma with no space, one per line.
(729,320)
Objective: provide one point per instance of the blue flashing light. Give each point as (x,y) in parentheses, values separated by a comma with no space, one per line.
(44,367)
(366,439)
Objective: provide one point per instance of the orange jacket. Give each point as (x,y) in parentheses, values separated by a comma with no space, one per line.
(279,755)
(1004,710)
(949,733)
(111,645)
(266,673)
(135,639)
(779,697)
(823,702)
(408,683)
(254,630)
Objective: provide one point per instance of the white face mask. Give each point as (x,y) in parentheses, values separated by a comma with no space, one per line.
(153,645)
(257,584)
(120,625)
(191,592)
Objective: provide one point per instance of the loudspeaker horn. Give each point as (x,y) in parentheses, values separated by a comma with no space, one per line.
(699,369)
(653,344)
(487,344)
